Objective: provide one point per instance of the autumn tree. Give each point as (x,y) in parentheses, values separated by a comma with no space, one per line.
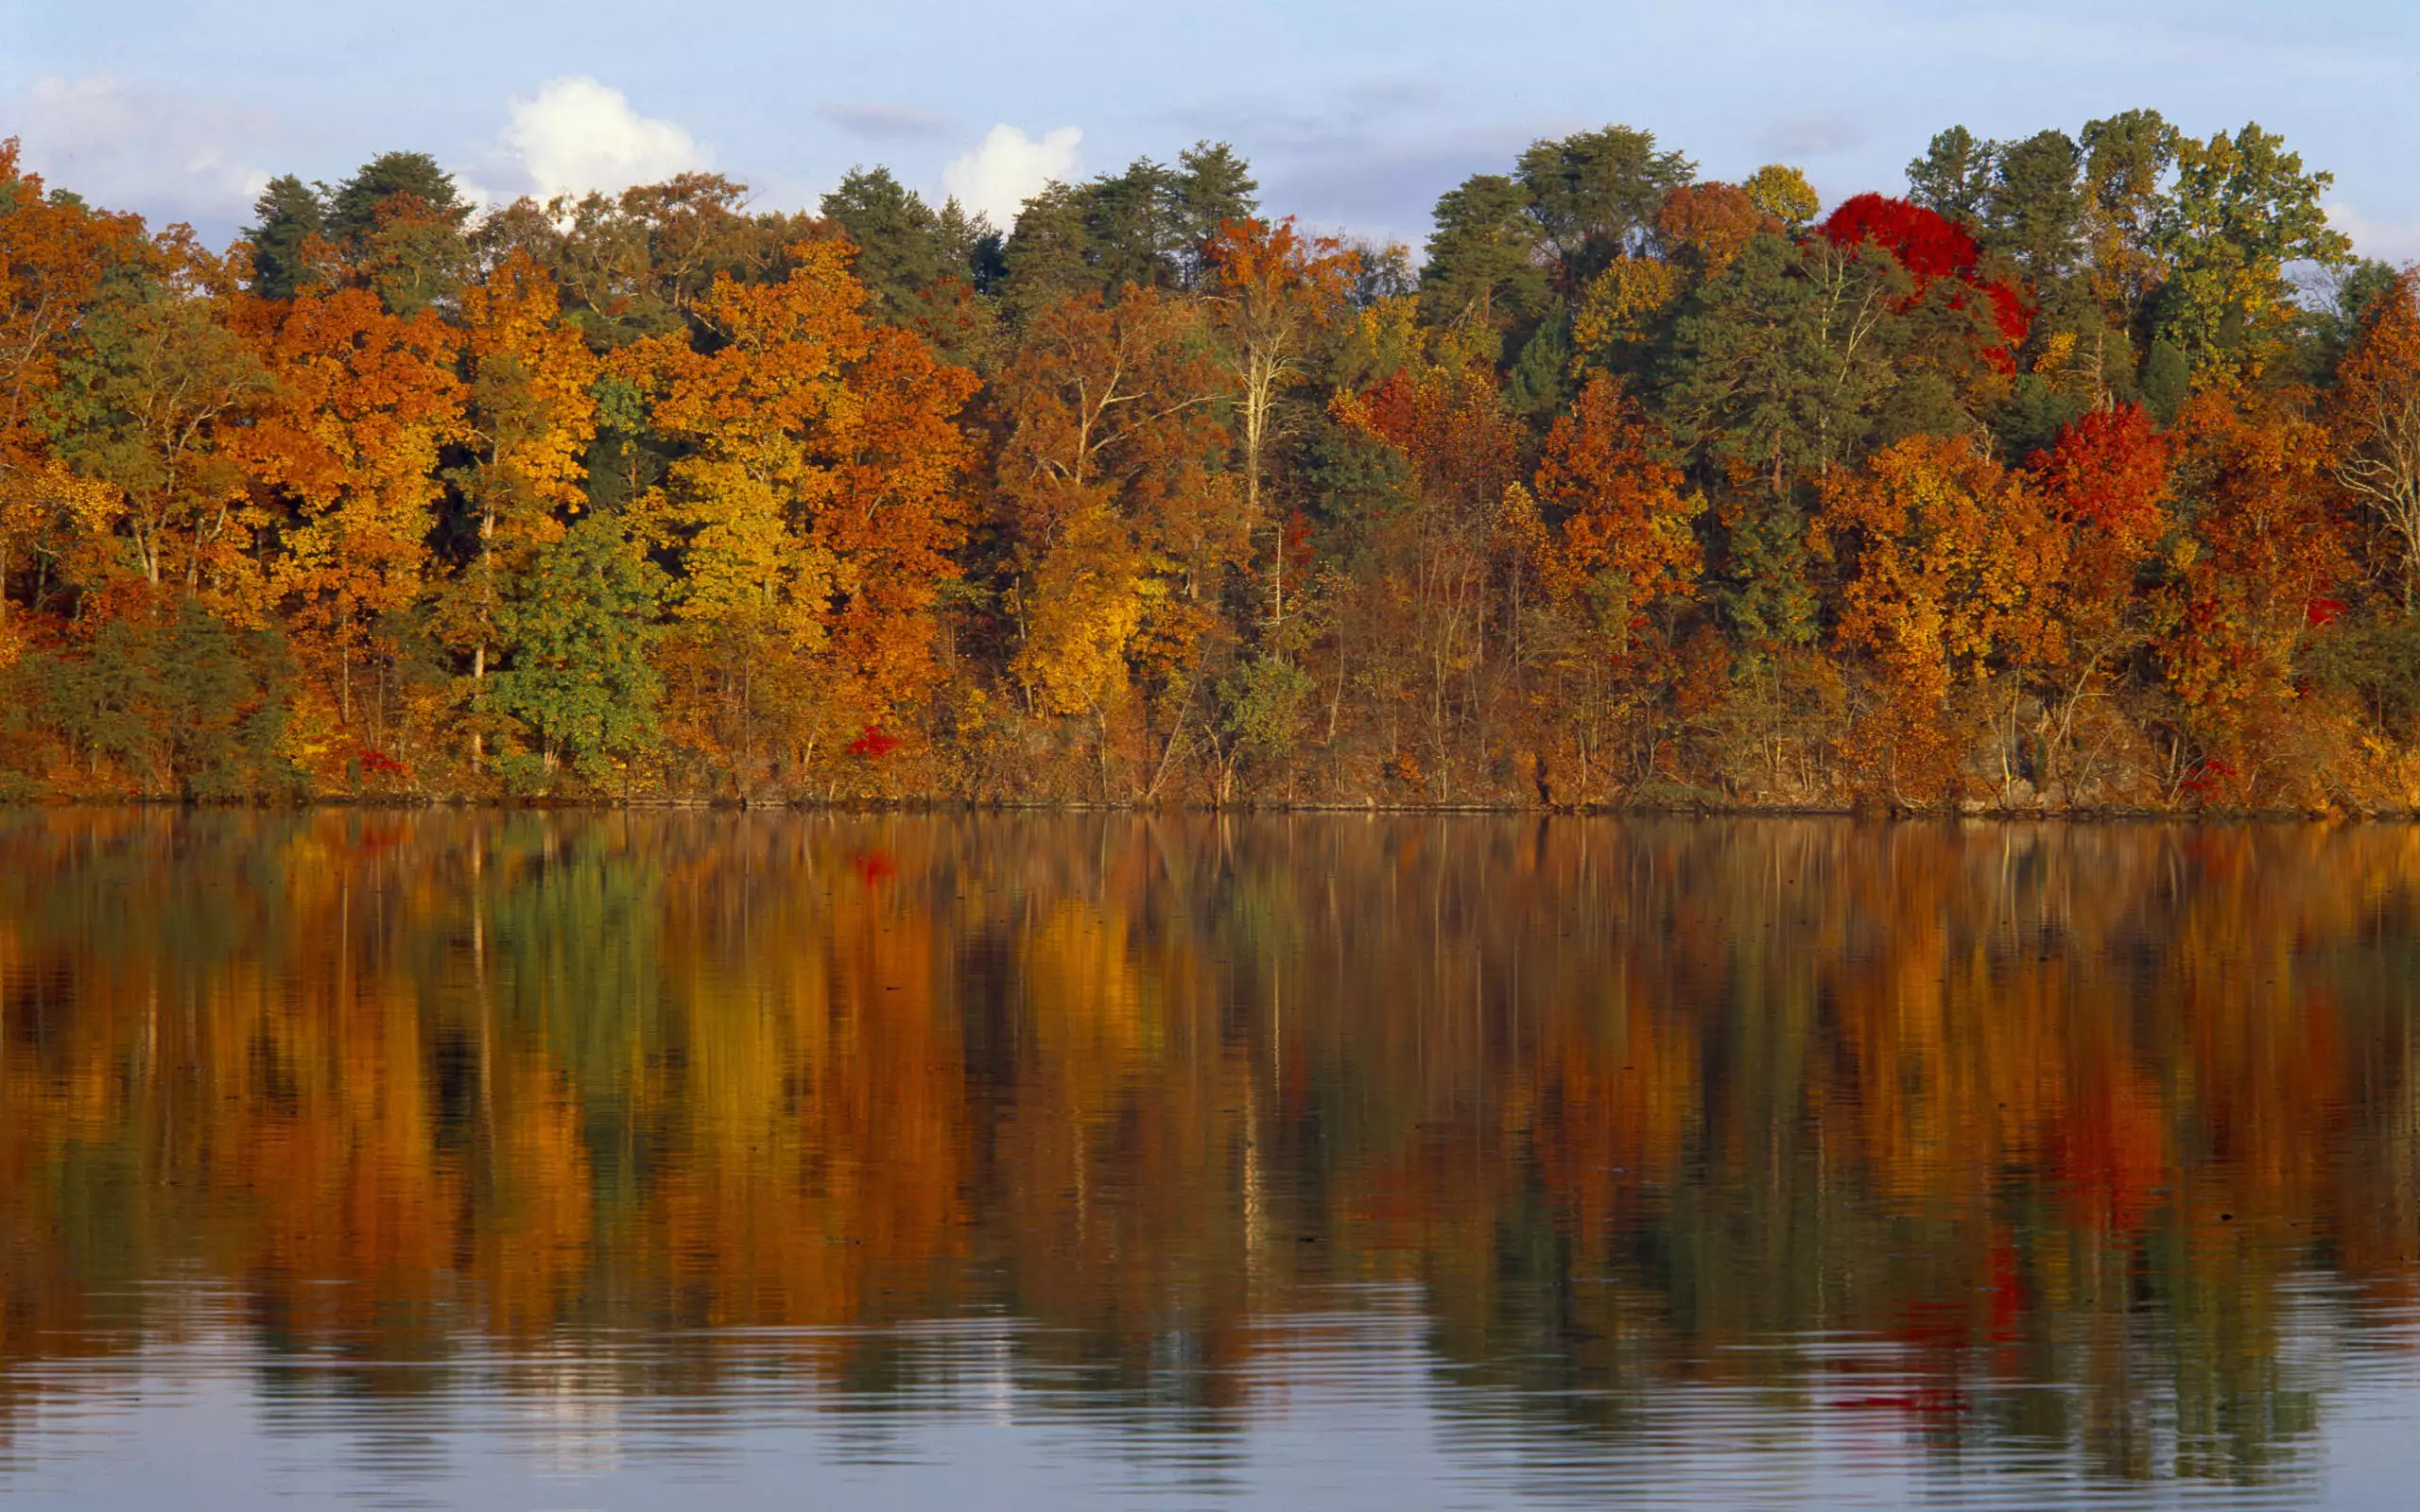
(530,419)
(1125,525)
(343,461)
(1614,541)
(2262,583)
(1273,292)
(1946,562)
(2105,482)
(812,510)
(2375,416)
(54,255)
(1438,554)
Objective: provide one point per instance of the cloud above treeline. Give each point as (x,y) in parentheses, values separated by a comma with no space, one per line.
(578,134)
(1009,167)
(173,156)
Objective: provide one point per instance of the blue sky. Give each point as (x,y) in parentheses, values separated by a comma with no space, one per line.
(1356,115)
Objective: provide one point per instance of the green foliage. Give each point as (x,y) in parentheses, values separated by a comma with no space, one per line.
(1592,195)
(1482,258)
(1954,176)
(1265,703)
(1145,227)
(2378,663)
(357,206)
(286,216)
(905,246)
(2036,412)
(2243,209)
(578,633)
(185,707)
(1778,364)
(401,219)
(2166,379)
(1540,384)
(1506,247)
(2035,214)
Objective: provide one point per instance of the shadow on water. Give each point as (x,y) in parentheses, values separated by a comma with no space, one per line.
(473,1157)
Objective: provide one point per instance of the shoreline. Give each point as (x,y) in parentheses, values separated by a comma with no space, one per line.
(928,806)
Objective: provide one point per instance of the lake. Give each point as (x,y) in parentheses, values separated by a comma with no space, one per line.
(498,1159)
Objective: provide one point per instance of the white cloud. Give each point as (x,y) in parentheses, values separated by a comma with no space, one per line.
(165,155)
(576,134)
(2391,241)
(1009,168)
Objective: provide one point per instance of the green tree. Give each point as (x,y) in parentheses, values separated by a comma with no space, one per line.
(1593,196)
(1214,187)
(1954,176)
(152,408)
(2035,216)
(578,630)
(2242,211)
(905,246)
(288,215)
(186,705)
(401,220)
(2127,159)
(1483,258)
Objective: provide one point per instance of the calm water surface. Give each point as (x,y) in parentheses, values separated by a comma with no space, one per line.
(612,1162)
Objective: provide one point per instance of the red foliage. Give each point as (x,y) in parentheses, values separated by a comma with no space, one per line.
(1930,245)
(872,866)
(873,743)
(2109,469)
(2209,777)
(1299,552)
(376,763)
(2321,612)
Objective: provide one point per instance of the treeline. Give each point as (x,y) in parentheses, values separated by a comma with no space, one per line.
(2085,474)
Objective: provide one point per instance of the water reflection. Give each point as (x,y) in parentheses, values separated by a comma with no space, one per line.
(481,1158)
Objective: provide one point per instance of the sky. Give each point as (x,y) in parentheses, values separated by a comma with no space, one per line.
(1355,116)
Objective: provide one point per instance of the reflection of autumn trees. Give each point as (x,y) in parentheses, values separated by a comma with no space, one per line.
(2069,1104)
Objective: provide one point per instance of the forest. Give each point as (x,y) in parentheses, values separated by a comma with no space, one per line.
(2081,475)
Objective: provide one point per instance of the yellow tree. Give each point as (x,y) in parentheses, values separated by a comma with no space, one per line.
(817,497)
(53,254)
(347,451)
(1117,513)
(1946,559)
(530,419)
